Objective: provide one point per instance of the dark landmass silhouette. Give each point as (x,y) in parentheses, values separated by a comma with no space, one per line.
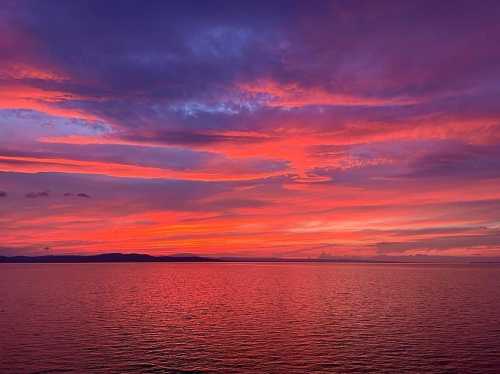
(189,257)
(107,257)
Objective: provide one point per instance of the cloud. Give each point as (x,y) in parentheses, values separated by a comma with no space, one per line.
(35,195)
(193,139)
(79,194)
(169,55)
(459,161)
(489,240)
(3,194)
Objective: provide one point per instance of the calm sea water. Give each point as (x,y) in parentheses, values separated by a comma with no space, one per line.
(249,318)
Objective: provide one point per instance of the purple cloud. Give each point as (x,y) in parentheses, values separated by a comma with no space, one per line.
(34,195)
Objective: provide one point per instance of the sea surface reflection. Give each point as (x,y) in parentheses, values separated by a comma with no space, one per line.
(249,318)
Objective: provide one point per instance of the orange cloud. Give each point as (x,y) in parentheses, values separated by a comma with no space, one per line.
(293,95)
(62,165)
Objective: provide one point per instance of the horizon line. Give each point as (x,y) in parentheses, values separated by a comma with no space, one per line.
(116,257)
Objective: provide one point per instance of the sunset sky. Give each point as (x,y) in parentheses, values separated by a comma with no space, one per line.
(348,128)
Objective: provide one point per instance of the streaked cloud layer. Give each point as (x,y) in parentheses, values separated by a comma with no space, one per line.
(254,128)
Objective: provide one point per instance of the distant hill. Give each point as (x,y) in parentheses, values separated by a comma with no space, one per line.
(188,257)
(108,257)
(136,257)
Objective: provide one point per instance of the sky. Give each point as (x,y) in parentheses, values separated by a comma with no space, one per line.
(250,128)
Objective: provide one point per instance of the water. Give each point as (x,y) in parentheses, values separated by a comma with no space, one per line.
(249,318)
